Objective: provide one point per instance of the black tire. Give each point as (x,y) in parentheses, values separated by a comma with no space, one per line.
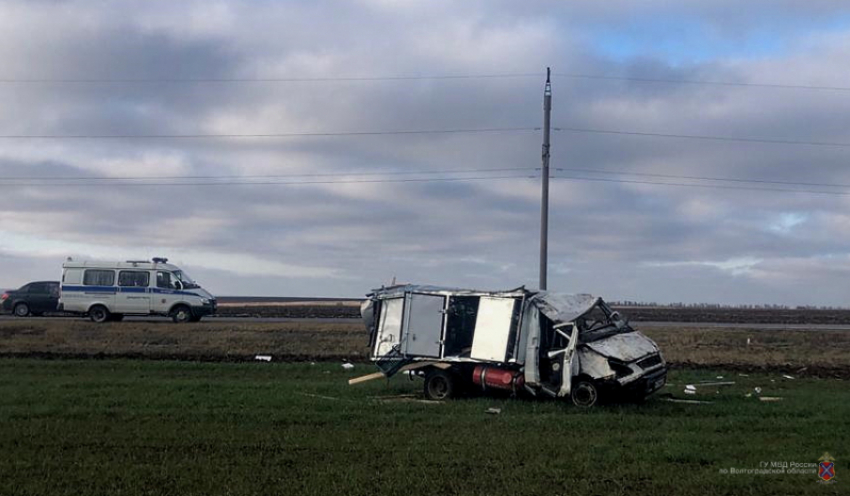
(99,314)
(584,393)
(181,314)
(22,310)
(439,385)
(117,317)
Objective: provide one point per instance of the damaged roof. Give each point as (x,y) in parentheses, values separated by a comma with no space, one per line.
(561,307)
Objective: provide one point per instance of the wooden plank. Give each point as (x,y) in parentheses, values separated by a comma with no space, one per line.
(364,378)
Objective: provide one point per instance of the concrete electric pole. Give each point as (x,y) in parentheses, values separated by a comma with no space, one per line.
(544,204)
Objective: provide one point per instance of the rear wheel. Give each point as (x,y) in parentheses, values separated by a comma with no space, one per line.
(22,310)
(585,393)
(181,314)
(99,314)
(439,385)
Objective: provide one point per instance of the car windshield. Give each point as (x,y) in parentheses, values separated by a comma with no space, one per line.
(600,322)
(184,278)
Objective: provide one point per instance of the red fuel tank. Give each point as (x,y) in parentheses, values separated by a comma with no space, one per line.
(496,378)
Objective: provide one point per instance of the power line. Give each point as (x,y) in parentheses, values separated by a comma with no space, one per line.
(261,176)
(702,82)
(770,141)
(707,186)
(286,183)
(704,178)
(268,135)
(390,78)
(329,79)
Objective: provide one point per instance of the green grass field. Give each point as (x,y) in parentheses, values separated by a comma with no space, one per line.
(145,427)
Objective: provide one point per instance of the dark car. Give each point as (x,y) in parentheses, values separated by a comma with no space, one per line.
(34,298)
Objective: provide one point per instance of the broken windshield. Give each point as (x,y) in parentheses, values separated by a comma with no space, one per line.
(601,322)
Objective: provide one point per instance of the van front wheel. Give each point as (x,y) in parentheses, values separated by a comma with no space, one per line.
(181,314)
(99,314)
(584,393)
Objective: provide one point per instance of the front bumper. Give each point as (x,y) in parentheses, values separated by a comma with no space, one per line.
(204,310)
(647,384)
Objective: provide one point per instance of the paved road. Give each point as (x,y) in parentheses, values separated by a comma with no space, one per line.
(243,320)
(637,325)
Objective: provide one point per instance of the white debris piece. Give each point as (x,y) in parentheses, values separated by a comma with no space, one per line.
(690,389)
(770,398)
(786,376)
(494,411)
(263,358)
(347,366)
(757,390)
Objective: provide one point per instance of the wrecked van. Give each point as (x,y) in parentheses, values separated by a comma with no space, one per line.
(532,342)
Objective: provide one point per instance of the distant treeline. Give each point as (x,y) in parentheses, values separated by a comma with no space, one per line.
(765,306)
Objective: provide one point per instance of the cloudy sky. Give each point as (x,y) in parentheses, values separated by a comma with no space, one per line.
(449,208)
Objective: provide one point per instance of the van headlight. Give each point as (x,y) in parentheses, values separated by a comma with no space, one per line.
(205,301)
(621,369)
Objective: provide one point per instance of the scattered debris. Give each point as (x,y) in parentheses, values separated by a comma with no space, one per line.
(347,366)
(719,377)
(748,341)
(690,389)
(319,396)
(707,383)
(786,376)
(687,402)
(263,358)
(757,390)
(770,398)
(494,411)
(743,375)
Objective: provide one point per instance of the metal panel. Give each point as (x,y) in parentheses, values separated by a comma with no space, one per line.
(424,325)
(493,328)
(389,326)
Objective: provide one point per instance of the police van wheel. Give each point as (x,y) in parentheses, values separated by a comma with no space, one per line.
(99,314)
(22,310)
(584,393)
(181,314)
(439,385)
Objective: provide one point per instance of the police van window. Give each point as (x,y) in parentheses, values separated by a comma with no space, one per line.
(99,278)
(163,280)
(133,278)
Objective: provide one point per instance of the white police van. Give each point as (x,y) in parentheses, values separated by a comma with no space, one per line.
(110,290)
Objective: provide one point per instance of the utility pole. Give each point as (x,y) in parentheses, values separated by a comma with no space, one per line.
(544,204)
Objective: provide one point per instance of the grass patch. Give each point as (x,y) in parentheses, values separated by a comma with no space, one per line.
(143,427)
(810,353)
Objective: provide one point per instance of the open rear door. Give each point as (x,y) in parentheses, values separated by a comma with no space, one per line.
(389,326)
(423,325)
(493,328)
